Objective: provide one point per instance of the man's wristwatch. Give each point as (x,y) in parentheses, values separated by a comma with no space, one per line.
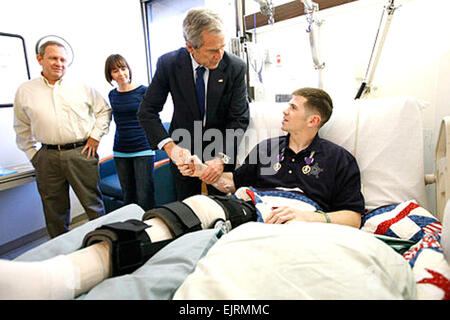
(225,159)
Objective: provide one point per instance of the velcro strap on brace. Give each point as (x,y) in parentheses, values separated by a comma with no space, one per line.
(178,217)
(237,211)
(130,246)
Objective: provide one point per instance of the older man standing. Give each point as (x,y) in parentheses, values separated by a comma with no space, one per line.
(68,118)
(209,95)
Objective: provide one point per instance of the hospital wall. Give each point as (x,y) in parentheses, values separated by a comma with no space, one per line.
(415,60)
(95,29)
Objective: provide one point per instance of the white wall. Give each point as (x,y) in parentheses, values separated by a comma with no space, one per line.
(415,60)
(95,29)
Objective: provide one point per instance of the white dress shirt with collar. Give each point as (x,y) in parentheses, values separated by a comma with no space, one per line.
(66,112)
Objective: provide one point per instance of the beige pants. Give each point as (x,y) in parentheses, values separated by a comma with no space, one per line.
(55,171)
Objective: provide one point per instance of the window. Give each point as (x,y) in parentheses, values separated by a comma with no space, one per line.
(163,28)
(14,68)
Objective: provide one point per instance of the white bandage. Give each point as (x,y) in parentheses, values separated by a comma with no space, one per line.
(207,210)
(158,230)
(50,279)
(91,265)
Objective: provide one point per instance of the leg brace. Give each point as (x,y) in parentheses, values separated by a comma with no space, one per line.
(131,245)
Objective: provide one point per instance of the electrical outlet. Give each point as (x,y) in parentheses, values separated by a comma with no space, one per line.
(282,97)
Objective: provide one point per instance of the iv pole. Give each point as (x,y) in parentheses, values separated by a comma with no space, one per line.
(373,61)
(239,46)
(311,9)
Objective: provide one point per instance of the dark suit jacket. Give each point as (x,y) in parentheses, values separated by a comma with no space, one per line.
(227,104)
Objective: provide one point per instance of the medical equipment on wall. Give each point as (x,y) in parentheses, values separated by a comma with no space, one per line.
(256,53)
(241,46)
(311,9)
(267,8)
(69,50)
(389,9)
(256,57)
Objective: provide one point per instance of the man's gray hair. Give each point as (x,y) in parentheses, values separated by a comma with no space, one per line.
(49,43)
(199,20)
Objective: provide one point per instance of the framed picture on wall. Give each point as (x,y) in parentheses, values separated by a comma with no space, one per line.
(14,69)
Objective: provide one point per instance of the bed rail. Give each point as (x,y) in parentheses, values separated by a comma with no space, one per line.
(442,175)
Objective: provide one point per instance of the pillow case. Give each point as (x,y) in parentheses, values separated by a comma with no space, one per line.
(387,142)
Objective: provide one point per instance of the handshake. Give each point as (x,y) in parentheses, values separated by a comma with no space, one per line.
(209,172)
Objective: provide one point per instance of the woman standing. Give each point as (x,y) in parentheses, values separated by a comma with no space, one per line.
(132,153)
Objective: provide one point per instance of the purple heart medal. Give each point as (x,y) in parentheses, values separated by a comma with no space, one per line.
(308,160)
(277,166)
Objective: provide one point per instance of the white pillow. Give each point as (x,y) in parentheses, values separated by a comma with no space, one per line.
(265,122)
(389,149)
(299,260)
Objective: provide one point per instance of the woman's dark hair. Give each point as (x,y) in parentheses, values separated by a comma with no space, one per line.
(115,61)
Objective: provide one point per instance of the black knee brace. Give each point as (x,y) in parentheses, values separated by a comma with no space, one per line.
(178,217)
(237,211)
(130,246)
(181,219)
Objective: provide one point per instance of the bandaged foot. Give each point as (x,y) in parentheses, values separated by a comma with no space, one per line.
(61,277)
(55,278)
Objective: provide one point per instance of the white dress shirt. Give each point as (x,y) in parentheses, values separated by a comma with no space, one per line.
(66,112)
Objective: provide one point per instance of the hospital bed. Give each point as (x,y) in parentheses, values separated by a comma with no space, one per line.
(397,254)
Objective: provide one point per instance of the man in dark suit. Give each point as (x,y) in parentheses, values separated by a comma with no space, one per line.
(210,104)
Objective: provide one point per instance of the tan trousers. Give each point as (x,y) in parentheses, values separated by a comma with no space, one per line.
(55,171)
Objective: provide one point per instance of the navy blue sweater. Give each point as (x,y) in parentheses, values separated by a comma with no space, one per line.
(129,137)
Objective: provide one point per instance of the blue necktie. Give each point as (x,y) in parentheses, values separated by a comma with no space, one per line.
(200,89)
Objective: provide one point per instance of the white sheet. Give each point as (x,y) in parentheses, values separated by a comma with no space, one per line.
(299,261)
